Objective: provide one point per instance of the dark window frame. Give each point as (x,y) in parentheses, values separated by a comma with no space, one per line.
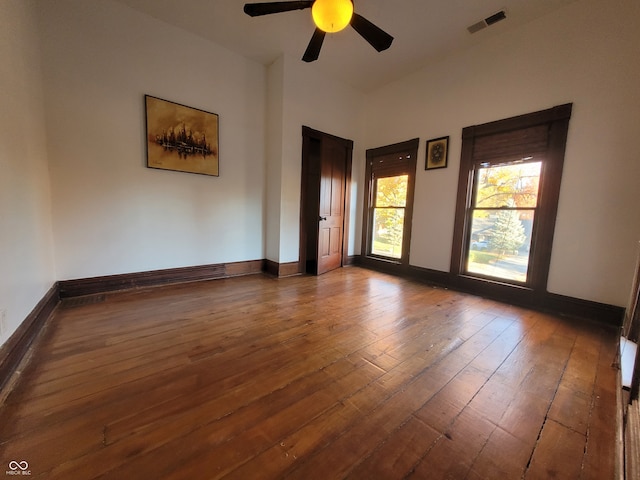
(557,121)
(408,166)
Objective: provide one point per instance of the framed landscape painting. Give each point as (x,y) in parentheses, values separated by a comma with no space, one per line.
(181,138)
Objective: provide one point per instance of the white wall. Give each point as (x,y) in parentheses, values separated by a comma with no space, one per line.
(321,103)
(586,53)
(273,204)
(26,253)
(112,214)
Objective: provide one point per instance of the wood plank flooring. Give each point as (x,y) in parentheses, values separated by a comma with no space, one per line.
(353,374)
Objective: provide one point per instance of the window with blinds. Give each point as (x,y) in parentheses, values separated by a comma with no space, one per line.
(508,192)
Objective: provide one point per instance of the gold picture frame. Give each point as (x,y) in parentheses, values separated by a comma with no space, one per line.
(437,153)
(181,138)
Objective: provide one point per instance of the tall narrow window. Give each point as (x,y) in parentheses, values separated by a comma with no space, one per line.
(502,215)
(508,191)
(389,202)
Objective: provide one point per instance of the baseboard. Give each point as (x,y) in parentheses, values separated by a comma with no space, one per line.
(281,269)
(350,260)
(236,269)
(293,268)
(16,347)
(126,281)
(577,307)
(431,276)
(547,302)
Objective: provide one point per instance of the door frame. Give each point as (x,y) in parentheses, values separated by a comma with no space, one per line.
(307,202)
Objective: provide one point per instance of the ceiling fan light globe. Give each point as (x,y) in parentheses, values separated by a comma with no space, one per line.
(332,15)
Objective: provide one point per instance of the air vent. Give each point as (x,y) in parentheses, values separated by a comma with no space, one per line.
(477,26)
(495,18)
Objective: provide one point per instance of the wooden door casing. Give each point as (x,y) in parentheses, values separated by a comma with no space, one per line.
(325,193)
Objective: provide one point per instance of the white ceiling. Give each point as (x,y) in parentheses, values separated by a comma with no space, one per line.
(424,31)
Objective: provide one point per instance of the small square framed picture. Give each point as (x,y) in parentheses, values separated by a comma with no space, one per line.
(437,153)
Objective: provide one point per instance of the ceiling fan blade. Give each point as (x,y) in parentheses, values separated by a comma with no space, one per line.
(257,9)
(312,52)
(377,38)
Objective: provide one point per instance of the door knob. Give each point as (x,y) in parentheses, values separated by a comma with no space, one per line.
(322,218)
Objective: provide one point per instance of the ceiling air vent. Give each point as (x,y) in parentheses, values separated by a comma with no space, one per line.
(495,18)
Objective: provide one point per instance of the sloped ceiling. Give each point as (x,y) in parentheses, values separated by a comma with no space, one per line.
(424,31)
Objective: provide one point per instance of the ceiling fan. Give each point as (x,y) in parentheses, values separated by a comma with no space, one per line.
(329,16)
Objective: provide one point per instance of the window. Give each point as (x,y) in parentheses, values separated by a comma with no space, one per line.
(508,191)
(502,214)
(389,205)
(389,190)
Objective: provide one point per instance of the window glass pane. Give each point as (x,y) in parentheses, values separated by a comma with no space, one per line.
(391,191)
(514,185)
(388,227)
(500,242)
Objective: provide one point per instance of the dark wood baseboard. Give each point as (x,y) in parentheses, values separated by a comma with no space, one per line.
(236,269)
(126,281)
(350,260)
(271,267)
(547,302)
(296,268)
(435,277)
(289,269)
(15,348)
(381,265)
(577,307)
(281,269)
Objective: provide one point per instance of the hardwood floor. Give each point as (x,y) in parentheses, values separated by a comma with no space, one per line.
(353,374)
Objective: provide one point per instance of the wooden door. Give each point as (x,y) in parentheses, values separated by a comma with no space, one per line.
(326,175)
(331,211)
